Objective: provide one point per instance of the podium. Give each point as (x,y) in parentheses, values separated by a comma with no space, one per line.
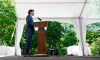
(41,38)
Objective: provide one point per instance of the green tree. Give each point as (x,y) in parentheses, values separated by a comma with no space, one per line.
(93,38)
(54,33)
(69,37)
(95,47)
(7,22)
(93,32)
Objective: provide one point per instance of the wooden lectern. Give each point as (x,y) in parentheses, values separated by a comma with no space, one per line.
(41,38)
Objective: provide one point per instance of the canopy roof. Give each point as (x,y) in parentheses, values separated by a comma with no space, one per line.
(51,8)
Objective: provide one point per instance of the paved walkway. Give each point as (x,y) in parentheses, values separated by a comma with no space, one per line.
(49,58)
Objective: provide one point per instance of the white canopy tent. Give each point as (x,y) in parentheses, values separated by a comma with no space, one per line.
(67,11)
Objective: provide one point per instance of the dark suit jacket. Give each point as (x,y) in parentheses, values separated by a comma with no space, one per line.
(29,24)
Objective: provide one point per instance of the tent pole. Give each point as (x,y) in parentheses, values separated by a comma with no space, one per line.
(80,23)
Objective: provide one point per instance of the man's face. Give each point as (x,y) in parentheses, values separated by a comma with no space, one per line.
(32,13)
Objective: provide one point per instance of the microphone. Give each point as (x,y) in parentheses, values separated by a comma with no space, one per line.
(39,18)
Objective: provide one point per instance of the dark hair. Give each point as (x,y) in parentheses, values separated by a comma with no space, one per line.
(30,11)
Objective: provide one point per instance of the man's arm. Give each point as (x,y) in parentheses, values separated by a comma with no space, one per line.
(30,21)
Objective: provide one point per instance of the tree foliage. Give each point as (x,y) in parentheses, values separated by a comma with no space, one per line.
(93,38)
(95,47)
(69,37)
(7,22)
(93,32)
(54,33)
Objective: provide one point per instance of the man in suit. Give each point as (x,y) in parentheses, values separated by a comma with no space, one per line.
(29,30)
